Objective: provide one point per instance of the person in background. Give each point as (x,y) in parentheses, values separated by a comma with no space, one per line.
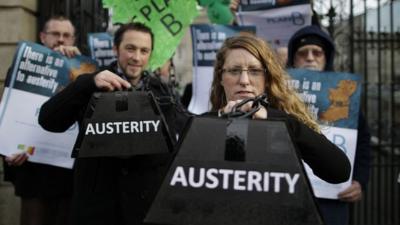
(282,54)
(188,90)
(115,190)
(166,74)
(311,48)
(187,94)
(45,190)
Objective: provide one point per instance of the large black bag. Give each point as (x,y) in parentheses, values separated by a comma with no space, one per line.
(122,124)
(235,172)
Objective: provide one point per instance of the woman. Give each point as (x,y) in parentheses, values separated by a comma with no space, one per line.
(246,67)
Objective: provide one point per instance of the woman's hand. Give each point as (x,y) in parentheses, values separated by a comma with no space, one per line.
(234,5)
(16,159)
(260,114)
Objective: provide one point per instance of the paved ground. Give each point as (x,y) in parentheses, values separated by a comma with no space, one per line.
(9,204)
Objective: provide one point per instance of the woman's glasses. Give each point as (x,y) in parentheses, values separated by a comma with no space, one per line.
(57,34)
(315,52)
(250,71)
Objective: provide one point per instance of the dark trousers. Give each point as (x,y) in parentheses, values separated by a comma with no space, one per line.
(115,191)
(334,212)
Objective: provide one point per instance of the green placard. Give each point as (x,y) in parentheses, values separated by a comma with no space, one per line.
(168,20)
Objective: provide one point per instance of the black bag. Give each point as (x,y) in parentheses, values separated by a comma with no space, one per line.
(123,123)
(236,172)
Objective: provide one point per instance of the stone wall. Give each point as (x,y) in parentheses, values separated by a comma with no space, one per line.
(17,23)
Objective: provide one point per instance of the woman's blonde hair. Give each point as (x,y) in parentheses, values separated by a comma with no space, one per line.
(280,95)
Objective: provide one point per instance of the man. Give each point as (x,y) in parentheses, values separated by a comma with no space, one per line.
(45,190)
(166,74)
(59,34)
(313,49)
(111,190)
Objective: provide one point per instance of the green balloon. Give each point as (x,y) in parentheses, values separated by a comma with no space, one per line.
(205,2)
(219,13)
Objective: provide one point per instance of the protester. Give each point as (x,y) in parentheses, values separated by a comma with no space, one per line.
(282,54)
(311,48)
(187,94)
(188,90)
(112,190)
(166,74)
(246,67)
(45,190)
(165,71)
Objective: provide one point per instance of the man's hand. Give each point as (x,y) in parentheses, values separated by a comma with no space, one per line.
(109,81)
(69,51)
(352,193)
(233,6)
(16,159)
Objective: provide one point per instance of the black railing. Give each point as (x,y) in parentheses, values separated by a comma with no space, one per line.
(369,45)
(86,15)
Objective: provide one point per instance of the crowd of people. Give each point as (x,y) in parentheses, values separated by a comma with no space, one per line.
(120,190)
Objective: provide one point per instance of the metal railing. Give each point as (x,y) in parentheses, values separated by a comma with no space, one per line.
(86,15)
(369,45)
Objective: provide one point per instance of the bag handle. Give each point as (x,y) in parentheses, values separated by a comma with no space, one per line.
(258,102)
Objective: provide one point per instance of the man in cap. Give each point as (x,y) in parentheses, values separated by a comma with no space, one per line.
(312,48)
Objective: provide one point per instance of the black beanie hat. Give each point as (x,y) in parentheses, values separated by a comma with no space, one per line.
(309,40)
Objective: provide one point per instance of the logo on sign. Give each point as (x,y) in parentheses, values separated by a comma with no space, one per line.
(296,18)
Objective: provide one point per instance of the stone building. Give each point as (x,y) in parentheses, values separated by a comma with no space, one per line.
(17,22)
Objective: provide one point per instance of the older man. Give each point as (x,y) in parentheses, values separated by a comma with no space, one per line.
(45,190)
(311,48)
(58,34)
(114,190)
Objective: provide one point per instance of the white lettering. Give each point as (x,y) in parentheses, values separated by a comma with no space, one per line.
(117,124)
(134,127)
(124,127)
(102,130)
(254,180)
(179,176)
(155,124)
(292,181)
(192,181)
(237,180)
(211,175)
(90,129)
(225,174)
(277,182)
(266,181)
(109,128)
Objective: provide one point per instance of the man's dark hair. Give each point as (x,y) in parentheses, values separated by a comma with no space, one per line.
(132,26)
(56,17)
